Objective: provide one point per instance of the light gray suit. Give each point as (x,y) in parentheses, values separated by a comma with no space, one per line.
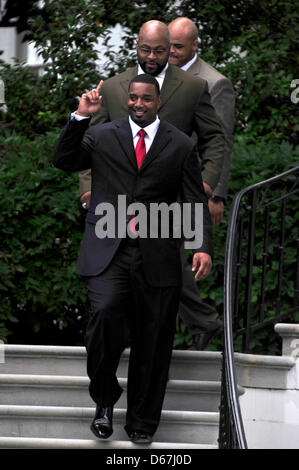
(198,316)
(223,100)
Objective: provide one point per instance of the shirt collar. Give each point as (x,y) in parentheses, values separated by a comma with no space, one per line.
(191,62)
(151,129)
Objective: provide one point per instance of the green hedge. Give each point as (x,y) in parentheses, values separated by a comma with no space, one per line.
(41,225)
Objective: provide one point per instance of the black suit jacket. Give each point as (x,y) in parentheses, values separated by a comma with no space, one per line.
(170,167)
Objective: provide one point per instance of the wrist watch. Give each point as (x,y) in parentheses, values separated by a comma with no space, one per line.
(217,199)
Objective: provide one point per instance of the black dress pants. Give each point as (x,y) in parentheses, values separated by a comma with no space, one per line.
(121,296)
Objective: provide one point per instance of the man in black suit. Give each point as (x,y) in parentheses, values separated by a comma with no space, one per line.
(186,103)
(132,278)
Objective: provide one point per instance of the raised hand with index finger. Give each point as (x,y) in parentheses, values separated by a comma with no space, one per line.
(91,102)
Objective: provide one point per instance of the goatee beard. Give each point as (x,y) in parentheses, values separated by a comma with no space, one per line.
(154,73)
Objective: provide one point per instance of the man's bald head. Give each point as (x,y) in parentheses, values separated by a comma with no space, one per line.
(186,26)
(183,41)
(153,47)
(154,28)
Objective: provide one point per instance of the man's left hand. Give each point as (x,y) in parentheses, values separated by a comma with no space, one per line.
(85,199)
(208,189)
(216,211)
(205,265)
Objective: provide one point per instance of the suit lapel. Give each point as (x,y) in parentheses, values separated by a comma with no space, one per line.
(195,68)
(125,139)
(161,139)
(130,73)
(170,84)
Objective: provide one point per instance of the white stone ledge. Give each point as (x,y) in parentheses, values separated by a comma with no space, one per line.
(32,380)
(56,412)
(291,329)
(43,443)
(261,371)
(29,350)
(289,333)
(43,380)
(277,362)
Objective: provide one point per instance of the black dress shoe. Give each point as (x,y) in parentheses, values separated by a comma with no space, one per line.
(140,437)
(102,422)
(201,340)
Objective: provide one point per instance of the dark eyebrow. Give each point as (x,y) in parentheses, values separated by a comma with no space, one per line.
(142,96)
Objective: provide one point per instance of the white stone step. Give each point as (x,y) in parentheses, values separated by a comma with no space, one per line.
(45,401)
(263,371)
(73,423)
(71,360)
(44,443)
(53,390)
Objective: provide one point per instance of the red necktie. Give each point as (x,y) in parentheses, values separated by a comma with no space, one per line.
(140,154)
(140,148)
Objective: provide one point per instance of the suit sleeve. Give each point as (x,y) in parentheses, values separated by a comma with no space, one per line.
(72,152)
(210,138)
(99,118)
(103,115)
(192,192)
(223,101)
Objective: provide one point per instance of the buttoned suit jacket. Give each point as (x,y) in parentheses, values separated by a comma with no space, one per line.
(170,167)
(223,101)
(186,104)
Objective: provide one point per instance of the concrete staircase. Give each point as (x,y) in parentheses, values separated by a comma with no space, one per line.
(44,401)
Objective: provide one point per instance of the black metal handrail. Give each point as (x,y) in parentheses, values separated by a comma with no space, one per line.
(238,320)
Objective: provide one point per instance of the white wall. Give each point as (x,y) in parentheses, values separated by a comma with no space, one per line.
(11,45)
(271,418)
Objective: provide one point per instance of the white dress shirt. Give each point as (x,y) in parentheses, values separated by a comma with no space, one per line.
(188,65)
(150,130)
(77,117)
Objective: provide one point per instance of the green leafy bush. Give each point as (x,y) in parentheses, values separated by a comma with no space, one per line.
(40,228)
(65,34)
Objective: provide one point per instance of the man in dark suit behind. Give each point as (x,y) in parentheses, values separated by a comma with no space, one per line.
(135,278)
